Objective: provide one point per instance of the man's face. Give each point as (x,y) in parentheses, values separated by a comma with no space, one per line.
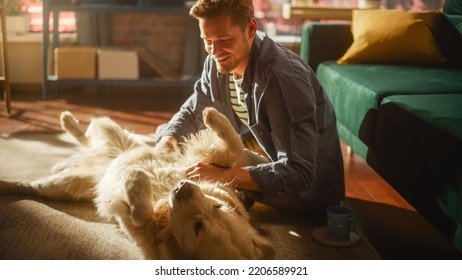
(228,44)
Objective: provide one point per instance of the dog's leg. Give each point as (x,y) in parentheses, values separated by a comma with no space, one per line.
(71,125)
(238,156)
(139,195)
(134,210)
(154,238)
(230,147)
(220,124)
(102,134)
(126,193)
(57,186)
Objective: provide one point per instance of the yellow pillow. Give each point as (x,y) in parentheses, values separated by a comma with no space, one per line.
(393,36)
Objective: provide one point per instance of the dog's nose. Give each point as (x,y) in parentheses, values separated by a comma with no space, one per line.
(184,190)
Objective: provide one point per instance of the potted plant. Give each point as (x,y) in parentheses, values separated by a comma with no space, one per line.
(17,19)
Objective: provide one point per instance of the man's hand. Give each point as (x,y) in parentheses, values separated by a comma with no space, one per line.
(207,171)
(239,177)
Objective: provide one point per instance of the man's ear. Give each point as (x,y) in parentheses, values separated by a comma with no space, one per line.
(252,27)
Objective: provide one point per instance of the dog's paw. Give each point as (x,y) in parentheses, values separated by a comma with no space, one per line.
(67,119)
(71,125)
(215,120)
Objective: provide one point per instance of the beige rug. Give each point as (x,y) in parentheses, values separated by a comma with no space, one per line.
(38,228)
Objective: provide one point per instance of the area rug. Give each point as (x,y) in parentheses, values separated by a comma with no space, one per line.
(39,228)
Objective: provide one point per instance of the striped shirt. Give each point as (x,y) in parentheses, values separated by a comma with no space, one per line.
(237,100)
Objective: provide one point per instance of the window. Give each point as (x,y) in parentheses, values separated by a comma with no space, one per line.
(269,12)
(67,22)
(269,16)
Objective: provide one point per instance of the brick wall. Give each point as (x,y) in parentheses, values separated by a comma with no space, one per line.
(163,35)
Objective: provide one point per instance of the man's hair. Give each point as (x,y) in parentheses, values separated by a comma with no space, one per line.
(240,11)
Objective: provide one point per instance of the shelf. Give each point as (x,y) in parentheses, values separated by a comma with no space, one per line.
(140,6)
(186,82)
(101,8)
(37,37)
(316,12)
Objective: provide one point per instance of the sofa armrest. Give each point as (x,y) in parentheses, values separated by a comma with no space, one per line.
(324,41)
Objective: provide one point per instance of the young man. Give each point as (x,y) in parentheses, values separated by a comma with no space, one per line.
(270,95)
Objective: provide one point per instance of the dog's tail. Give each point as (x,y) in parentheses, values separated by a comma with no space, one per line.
(71,125)
(57,186)
(7,187)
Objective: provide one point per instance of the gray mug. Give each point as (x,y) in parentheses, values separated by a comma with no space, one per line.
(339,221)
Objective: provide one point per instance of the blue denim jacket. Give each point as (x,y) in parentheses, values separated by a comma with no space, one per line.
(289,115)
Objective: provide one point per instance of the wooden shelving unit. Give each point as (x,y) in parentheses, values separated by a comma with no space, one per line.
(5,78)
(140,6)
(313,12)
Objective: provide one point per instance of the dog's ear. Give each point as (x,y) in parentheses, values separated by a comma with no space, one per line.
(263,249)
(167,245)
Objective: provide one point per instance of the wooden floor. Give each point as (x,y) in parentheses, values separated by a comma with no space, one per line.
(143,111)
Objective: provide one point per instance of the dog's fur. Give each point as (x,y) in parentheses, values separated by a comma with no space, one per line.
(144,189)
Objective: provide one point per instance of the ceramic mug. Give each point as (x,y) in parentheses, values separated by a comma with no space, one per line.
(339,221)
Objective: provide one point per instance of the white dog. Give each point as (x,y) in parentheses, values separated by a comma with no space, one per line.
(144,189)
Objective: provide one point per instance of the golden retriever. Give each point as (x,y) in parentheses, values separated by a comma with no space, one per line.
(144,189)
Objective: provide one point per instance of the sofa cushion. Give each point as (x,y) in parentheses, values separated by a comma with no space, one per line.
(453,7)
(450,40)
(450,36)
(316,45)
(357,90)
(456,21)
(419,142)
(409,37)
(443,111)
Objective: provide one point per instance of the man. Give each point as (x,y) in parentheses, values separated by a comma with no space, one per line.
(270,95)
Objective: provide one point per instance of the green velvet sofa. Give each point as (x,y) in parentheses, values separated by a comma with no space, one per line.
(404,120)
